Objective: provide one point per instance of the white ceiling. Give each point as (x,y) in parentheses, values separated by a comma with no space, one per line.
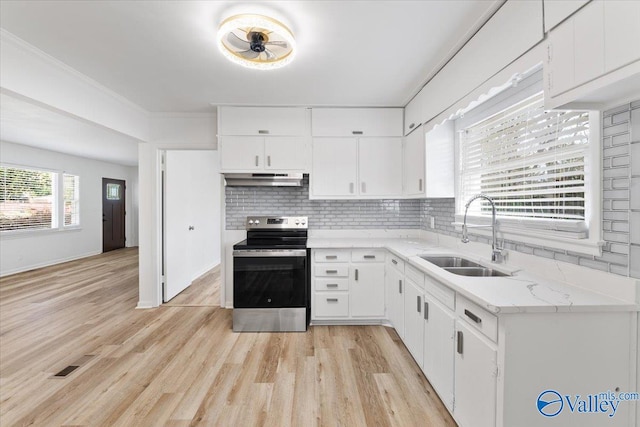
(162,55)
(24,122)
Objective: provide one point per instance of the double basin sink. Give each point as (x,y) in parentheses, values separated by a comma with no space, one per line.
(462,266)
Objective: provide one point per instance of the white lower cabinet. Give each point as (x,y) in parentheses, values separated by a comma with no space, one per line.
(439,332)
(413,320)
(475,378)
(348,285)
(394,284)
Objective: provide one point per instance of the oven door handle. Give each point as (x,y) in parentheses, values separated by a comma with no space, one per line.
(269,253)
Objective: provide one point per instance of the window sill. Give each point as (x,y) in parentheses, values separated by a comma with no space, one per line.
(18,234)
(550,239)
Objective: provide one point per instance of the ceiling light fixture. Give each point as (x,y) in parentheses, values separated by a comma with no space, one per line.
(256,41)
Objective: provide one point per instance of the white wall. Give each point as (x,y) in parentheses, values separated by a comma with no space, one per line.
(40,248)
(168,132)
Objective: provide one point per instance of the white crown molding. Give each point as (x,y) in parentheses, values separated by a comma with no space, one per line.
(9,37)
(182,115)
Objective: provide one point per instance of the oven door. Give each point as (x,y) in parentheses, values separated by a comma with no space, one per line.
(269,278)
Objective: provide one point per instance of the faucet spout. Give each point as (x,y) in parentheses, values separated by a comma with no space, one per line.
(496,252)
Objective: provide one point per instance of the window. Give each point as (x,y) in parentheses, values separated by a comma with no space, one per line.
(33,199)
(538,166)
(71,200)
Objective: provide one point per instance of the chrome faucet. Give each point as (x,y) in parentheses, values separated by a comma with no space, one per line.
(496,252)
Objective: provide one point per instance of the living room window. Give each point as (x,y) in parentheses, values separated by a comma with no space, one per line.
(539,167)
(36,199)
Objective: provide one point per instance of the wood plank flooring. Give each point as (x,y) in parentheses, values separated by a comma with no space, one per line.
(183,366)
(204,291)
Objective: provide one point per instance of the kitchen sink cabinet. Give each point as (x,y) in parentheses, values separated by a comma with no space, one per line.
(348,285)
(438,361)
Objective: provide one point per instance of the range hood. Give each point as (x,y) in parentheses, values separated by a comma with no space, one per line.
(263,179)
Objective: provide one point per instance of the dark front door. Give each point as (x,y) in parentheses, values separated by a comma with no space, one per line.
(112,214)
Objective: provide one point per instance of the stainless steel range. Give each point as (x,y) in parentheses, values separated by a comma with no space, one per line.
(271,284)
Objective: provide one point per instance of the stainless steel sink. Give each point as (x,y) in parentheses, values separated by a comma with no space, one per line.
(462,266)
(475,271)
(449,261)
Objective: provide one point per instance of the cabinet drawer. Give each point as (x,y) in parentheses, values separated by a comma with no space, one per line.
(442,293)
(331,270)
(415,275)
(395,262)
(331,284)
(330,255)
(478,317)
(331,304)
(364,255)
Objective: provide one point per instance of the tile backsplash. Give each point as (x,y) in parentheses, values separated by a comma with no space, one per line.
(620,215)
(323,214)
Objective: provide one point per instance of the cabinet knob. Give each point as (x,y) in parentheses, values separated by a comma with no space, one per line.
(412,125)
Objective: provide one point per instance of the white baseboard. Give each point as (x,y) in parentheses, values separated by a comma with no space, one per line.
(47,263)
(145,305)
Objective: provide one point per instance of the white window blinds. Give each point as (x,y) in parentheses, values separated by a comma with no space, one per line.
(531,162)
(71,193)
(26,199)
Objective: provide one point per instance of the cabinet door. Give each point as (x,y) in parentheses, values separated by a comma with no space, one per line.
(285,153)
(439,331)
(556,11)
(380,163)
(622,33)
(413,113)
(414,164)
(561,73)
(356,121)
(334,167)
(394,284)
(285,121)
(366,290)
(241,153)
(413,321)
(475,378)
(588,27)
(439,170)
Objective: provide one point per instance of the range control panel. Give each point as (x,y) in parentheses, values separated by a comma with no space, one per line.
(281,222)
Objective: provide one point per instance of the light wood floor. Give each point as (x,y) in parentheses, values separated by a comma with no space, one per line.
(181,366)
(204,291)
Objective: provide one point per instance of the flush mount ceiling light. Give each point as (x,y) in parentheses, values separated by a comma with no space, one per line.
(256,41)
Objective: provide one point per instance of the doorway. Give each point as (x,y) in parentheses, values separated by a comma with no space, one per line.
(113,214)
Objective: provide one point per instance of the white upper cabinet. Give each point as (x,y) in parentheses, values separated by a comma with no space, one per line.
(263,121)
(622,33)
(594,55)
(380,167)
(334,171)
(264,139)
(413,113)
(356,122)
(555,11)
(414,165)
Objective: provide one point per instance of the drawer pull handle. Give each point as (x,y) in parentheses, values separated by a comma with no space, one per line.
(332,285)
(331,256)
(369,257)
(357,132)
(356,274)
(394,262)
(419,304)
(459,347)
(426,310)
(473,317)
(400,286)
(332,299)
(257,160)
(268,160)
(263,131)
(332,271)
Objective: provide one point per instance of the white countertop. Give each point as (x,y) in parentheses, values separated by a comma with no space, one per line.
(521,292)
